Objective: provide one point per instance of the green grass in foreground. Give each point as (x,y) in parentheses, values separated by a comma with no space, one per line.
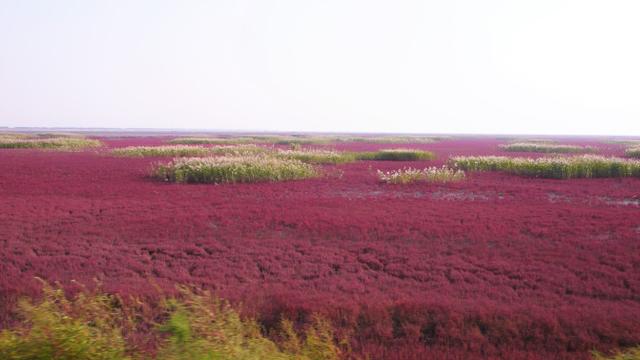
(430,174)
(397,155)
(233,169)
(629,354)
(584,166)
(545,148)
(198,326)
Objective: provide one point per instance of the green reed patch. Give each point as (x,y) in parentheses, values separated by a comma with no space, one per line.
(21,141)
(633,152)
(96,326)
(166,150)
(397,155)
(233,169)
(430,174)
(393,139)
(316,156)
(584,166)
(545,147)
(628,354)
(237,150)
(211,140)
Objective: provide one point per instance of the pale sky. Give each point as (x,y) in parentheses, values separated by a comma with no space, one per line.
(455,66)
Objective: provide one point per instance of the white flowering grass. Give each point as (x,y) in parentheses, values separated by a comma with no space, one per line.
(165,150)
(429,174)
(316,156)
(633,152)
(234,169)
(584,166)
(397,155)
(65,142)
(543,147)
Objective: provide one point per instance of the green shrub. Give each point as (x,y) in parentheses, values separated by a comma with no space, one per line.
(167,150)
(430,174)
(633,151)
(544,147)
(585,166)
(233,169)
(397,155)
(316,156)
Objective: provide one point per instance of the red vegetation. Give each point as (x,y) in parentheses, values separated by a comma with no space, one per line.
(496,266)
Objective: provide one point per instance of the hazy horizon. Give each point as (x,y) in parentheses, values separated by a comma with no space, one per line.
(459,67)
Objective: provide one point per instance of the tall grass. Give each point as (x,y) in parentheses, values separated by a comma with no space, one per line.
(397,155)
(47,142)
(211,140)
(233,169)
(584,166)
(305,139)
(430,174)
(629,354)
(543,147)
(633,151)
(393,139)
(237,150)
(93,326)
(317,156)
(166,150)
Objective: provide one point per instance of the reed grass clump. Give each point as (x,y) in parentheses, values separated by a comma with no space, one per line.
(429,174)
(158,151)
(584,166)
(633,152)
(397,155)
(628,354)
(242,169)
(316,156)
(238,150)
(211,140)
(545,147)
(47,142)
(393,139)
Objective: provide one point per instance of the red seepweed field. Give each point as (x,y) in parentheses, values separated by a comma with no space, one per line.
(495,266)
